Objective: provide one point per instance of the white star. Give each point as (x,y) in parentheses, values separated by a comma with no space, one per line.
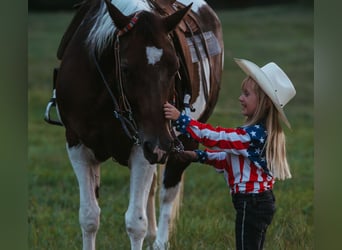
(262,140)
(253,133)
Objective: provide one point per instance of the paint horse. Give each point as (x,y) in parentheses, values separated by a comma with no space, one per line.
(120,62)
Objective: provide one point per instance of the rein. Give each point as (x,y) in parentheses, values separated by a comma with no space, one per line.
(123,114)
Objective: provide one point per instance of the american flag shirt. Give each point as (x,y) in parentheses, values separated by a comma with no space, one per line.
(238,153)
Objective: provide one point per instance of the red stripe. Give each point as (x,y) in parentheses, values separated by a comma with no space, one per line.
(201,126)
(224,144)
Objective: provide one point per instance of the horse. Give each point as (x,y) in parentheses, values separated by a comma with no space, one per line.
(120,61)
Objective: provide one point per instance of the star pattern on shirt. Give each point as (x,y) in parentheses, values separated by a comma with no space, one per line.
(256,150)
(253,133)
(182,122)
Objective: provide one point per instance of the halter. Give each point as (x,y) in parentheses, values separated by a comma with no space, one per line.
(130,25)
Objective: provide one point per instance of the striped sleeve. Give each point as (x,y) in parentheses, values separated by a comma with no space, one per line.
(218,159)
(230,140)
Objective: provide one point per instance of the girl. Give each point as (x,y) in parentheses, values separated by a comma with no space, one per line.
(251,156)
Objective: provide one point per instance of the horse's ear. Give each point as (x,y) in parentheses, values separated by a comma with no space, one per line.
(119,19)
(173,20)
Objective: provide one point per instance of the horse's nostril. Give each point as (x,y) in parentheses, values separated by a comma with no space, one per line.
(155,154)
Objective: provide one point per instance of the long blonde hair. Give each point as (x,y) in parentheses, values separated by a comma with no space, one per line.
(275,143)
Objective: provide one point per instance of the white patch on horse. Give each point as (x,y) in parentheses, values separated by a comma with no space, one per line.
(200,101)
(153,55)
(86,168)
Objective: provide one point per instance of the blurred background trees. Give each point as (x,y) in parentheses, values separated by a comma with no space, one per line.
(55,5)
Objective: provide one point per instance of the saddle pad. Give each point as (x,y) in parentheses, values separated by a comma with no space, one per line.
(212,44)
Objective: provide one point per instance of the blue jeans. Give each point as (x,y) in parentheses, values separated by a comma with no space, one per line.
(254,213)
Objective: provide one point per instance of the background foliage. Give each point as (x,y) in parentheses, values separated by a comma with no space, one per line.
(281,33)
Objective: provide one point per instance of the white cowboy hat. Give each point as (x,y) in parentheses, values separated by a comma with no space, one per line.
(273,81)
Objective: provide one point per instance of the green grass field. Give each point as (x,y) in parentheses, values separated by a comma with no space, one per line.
(283,34)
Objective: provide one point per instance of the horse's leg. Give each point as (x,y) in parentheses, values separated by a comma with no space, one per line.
(171,196)
(87,171)
(166,215)
(151,210)
(140,184)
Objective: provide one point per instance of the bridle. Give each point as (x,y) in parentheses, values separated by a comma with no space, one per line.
(122,110)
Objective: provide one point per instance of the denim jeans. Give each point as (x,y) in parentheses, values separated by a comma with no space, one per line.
(254,213)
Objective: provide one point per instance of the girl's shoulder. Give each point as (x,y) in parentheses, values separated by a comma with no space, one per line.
(255,131)
(256,150)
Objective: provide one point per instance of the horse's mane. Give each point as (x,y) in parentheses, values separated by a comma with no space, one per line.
(102,31)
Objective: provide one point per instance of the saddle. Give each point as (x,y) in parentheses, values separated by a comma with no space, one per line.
(186,29)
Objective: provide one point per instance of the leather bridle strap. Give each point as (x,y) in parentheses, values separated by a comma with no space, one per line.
(127,123)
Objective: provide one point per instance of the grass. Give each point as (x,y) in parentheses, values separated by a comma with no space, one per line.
(281,33)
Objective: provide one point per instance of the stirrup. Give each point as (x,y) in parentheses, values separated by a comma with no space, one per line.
(50,105)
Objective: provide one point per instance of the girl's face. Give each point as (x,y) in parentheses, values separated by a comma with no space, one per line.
(248,98)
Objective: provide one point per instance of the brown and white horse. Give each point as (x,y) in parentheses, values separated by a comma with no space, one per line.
(120,62)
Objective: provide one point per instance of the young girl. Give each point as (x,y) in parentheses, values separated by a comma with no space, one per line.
(251,156)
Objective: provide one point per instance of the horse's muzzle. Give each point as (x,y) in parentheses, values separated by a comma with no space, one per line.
(154,153)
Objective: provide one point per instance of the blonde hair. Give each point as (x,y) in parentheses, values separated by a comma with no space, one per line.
(275,144)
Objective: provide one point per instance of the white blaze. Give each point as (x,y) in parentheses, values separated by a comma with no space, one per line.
(153,55)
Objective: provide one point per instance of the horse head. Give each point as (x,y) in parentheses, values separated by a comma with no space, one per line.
(148,65)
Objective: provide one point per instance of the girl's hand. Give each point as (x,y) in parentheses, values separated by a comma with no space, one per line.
(171,112)
(186,156)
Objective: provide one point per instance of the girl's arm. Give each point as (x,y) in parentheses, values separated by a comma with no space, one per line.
(217,159)
(231,140)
